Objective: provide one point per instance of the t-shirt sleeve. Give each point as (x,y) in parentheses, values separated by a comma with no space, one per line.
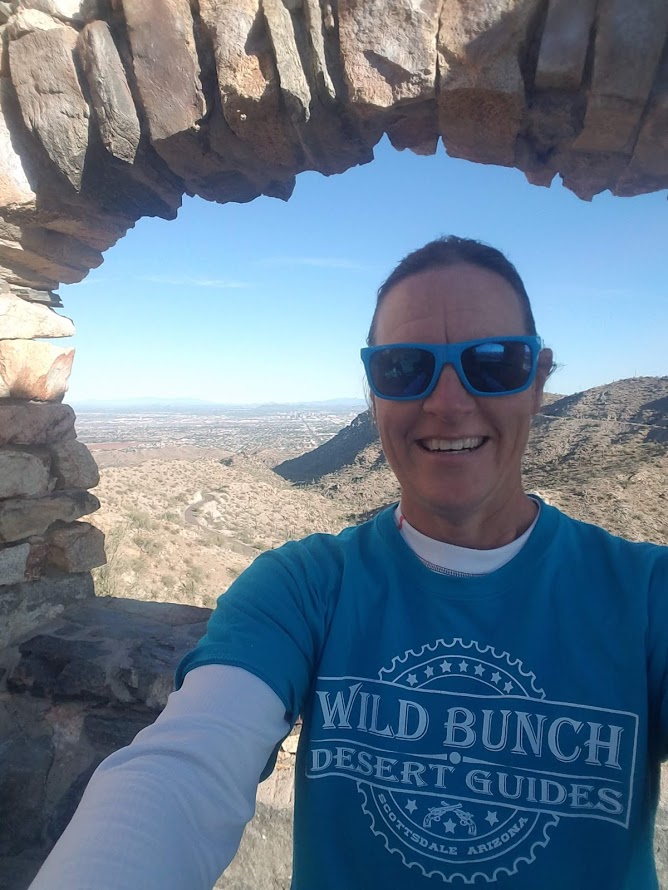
(273,619)
(658,651)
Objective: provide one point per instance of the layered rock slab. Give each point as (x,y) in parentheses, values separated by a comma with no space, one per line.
(78,547)
(30,369)
(331,138)
(23,474)
(42,65)
(73,465)
(112,101)
(23,320)
(23,517)
(248,83)
(481,88)
(35,424)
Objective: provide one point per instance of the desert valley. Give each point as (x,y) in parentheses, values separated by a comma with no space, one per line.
(189,499)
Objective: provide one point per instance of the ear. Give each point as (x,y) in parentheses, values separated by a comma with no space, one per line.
(545,363)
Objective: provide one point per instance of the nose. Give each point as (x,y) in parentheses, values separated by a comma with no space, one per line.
(449,395)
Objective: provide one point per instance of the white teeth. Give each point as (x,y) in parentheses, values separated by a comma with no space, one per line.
(452,444)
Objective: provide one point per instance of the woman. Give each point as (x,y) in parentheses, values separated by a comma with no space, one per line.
(481,679)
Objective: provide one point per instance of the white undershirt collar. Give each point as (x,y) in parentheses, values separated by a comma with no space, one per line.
(449,559)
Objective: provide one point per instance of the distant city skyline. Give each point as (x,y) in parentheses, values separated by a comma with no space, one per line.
(271,301)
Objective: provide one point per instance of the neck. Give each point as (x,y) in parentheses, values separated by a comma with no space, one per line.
(476,531)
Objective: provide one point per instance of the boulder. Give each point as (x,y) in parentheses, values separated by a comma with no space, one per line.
(15,189)
(112,100)
(45,297)
(23,320)
(330,136)
(293,83)
(166,67)
(588,173)
(13,562)
(564,44)
(67,10)
(22,517)
(50,97)
(35,424)
(648,167)
(248,82)
(30,369)
(326,66)
(78,547)
(167,75)
(25,607)
(629,42)
(481,96)
(24,768)
(58,256)
(28,20)
(168,81)
(388,50)
(23,474)
(73,465)
(15,273)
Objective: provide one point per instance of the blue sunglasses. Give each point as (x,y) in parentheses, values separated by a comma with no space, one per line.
(491,366)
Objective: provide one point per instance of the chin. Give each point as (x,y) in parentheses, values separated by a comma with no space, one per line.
(450,505)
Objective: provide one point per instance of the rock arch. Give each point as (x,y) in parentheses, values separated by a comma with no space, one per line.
(113,109)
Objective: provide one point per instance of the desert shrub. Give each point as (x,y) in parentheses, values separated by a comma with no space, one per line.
(195,574)
(107,578)
(141,519)
(147,545)
(188,588)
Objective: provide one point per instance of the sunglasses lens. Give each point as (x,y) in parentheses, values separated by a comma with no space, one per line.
(399,372)
(498,367)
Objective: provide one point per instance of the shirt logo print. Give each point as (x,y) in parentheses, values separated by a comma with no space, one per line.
(463,766)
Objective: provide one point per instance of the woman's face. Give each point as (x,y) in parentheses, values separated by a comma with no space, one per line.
(480,485)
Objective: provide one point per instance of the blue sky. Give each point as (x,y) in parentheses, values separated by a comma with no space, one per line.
(271,301)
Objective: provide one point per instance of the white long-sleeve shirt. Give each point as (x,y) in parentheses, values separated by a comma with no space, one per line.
(168,811)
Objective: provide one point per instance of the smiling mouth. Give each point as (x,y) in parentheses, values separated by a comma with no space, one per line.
(451,446)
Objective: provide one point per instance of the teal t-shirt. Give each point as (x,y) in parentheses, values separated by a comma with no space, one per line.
(503,729)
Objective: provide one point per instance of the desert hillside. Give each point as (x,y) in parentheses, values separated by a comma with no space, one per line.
(183,521)
(600,455)
(182,529)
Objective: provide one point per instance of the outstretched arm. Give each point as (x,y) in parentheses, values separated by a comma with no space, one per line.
(168,811)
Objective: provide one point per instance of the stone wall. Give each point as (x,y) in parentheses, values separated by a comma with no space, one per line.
(44,472)
(83,687)
(111,110)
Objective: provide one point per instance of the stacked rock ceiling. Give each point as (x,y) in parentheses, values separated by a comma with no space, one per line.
(113,109)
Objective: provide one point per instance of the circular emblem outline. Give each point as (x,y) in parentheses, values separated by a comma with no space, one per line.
(509,677)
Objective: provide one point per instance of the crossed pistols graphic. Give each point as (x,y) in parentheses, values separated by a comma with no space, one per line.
(435,814)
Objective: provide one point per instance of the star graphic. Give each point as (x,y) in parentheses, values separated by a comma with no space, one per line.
(479,670)
(412,680)
(507,687)
(463,666)
(496,677)
(446,667)
(449,826)
(491,817)
(411,806)
(429,672)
